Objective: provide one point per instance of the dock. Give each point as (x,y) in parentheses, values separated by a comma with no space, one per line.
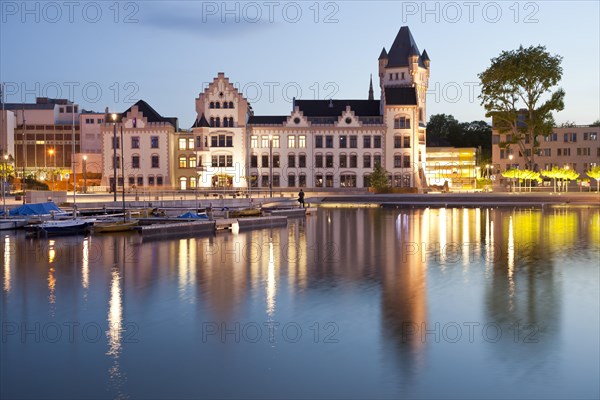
(177,229)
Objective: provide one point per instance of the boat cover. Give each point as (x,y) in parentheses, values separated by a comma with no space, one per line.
(35,209)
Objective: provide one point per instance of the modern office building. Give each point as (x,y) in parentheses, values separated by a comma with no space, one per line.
(452,165)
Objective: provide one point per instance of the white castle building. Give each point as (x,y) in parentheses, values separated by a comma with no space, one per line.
(322,143)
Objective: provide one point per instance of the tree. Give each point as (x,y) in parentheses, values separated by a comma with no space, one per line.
(596,123)
(594,173)
(379,180)
(563,174)
(511,93)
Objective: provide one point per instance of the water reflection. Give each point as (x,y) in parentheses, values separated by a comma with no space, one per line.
(383,276)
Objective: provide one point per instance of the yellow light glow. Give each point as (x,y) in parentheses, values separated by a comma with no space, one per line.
(7,277)
(114,116)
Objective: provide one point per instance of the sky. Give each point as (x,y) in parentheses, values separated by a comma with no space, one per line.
(111,54)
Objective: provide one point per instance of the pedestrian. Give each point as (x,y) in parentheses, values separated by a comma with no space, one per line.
(301,198)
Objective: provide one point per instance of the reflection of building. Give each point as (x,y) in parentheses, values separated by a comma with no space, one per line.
(578,147)
(8,124)
(457,166)
(147,147)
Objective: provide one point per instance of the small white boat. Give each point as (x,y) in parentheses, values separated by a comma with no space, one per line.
(64,227)
(12,223)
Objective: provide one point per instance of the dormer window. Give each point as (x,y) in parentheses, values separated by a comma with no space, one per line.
(396,76)
(402,75)
(391,75)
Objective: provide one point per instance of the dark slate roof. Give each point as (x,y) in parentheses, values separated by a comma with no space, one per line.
(334,108)
(404,45)
(28,106)
(383,54)
(201,122)
(425,56)
(267,119)
(151,114)
(401,96)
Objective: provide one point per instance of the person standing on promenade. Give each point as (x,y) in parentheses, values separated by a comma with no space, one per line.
(301,198)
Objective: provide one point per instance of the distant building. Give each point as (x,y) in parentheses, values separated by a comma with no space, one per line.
(577,147)
(44,135)
(456,166)
(147,148)
(8,122)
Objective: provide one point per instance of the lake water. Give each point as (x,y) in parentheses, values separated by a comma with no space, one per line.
(349,303)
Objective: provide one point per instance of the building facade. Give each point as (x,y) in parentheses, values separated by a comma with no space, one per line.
(577,147)
(146,141)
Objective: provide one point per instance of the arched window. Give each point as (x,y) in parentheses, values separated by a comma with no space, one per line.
(231,104)
(183,183)
(193,182)
(401,122)
(231,122)
(225,104)
(182,162)
(217,105)
(218,121)
(212,104)
(192,162)
(212,121)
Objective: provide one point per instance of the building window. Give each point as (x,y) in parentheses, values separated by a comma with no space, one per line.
(231,104)
(302,161)
(229,161)
(265,181)
(212,104)
(377,141)
(151,180)
(131,180)
(254,180)
(366,181)
(347,180)
(135,161)
(367,142)
(343,161)
(291,180)
(154,142)
(192,182)
(291,161)
(353,160)
(140,180)
(377,159)
(225,104)
(302,181)
(329,161)
(401,123)
(319,161)
(265,161)
(275,142)
(329,180)
(397,161)
(217,121)
(302,142)
(276,161)
(319,142)
(264,142)
(116,162)
(329,142)
(406,143)
(217,104)
(353,141)
(135,142)
(397,142)
(319,180)
(276,182)
(254,142)
(182,162)
(155,161)
(182,143)
(291,142)
(406,159)
(192,162)
(343,142)
(117,141)
(367,161)
(159,180)
(253,161)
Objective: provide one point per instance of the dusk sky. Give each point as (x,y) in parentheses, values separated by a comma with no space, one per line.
(166,52)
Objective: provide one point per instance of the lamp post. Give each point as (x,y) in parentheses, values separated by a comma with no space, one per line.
(4,179)
(271,165)
(512,181)
(114,185)
(84,174)
(51,153)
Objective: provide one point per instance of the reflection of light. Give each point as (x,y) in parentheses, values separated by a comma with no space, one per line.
(85,264)
(187,266)
(7,263)
(271,289)
(442,230)
(51,252)
(511,258)
(115,316)
(466,246)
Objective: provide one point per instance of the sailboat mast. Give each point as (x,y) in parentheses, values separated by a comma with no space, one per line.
(73,160)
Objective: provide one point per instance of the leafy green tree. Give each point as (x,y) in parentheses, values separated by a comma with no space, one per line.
(594,173)
(379,180)
(516,92)
(596,123)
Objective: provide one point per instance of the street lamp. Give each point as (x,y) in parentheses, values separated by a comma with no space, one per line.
(271,165)
(512,181)
(114,119)
(84,174)
(51,153)
(4,179)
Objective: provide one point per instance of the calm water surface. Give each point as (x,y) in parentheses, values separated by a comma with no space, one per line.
(350,303)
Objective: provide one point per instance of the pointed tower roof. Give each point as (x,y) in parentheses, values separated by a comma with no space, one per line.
(383,54)
(201,122)
(425,56)
(371,97)
(404,46)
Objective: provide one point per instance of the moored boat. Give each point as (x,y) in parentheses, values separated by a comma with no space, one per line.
(12,223)
(63,227)
(114,226)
